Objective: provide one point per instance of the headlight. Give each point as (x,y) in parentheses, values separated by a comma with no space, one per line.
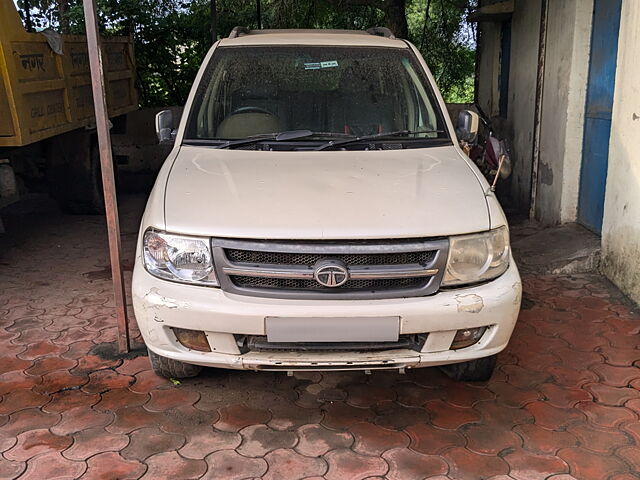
(179,258)
(477,258)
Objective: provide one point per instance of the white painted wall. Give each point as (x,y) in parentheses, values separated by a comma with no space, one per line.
(525,33)
(488,68)
(563,105)
(518,126)
(575,110)
(621,226)
(566,71)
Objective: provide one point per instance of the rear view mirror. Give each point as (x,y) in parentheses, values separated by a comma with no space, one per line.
(164,127)
(467,127)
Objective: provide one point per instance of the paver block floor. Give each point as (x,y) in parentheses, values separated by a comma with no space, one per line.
(563,403)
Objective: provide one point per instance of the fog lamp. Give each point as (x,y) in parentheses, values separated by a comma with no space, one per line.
(467,337)
(193,339)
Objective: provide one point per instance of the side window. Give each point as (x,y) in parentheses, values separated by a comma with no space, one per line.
(505,67)
(424,115)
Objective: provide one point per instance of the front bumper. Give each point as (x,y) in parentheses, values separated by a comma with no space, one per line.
(160,305)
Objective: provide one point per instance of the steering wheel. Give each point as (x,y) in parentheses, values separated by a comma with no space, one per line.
(251,109)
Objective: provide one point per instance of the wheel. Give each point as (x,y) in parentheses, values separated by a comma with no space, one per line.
(169,368)
(74,173)
(478,370)
(86,198)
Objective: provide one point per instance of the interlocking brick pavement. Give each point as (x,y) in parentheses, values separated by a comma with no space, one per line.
(563,404)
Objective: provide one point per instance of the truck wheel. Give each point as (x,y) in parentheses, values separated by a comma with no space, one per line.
(169,368)
(478,370)
(74,173)
(89,197)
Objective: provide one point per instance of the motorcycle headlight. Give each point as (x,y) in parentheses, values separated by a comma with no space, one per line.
(179,258)
(477,258)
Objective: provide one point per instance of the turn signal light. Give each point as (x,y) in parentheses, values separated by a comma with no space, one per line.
(193,339)
(467,337)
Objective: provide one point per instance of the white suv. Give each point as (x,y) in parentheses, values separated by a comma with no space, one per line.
(316,213)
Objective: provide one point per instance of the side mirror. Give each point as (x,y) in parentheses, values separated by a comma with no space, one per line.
(467,127)
(164,127)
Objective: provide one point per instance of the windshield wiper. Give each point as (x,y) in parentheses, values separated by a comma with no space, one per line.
(397,133)
(278,137)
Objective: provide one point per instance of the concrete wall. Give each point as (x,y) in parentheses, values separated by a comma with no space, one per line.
(566,69)
(518,126)
(525,32)
(621,227)
(488,68)
(565,84)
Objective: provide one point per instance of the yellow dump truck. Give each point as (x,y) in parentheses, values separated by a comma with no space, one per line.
(47,138)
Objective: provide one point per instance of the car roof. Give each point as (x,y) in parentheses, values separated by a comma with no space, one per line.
(354,38)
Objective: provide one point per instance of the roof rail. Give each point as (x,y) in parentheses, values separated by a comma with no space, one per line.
(381,32)
(238,31)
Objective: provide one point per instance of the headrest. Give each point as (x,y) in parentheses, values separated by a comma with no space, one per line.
(243,125)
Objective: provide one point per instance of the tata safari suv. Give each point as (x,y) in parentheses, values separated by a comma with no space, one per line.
(316,213)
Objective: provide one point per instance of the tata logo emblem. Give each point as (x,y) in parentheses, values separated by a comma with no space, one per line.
(331,273)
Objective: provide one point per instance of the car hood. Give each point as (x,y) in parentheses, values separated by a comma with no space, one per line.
(323,195)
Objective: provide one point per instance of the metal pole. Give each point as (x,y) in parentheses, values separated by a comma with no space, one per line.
(537,118)
(106,163)
(214,19)
(258,15)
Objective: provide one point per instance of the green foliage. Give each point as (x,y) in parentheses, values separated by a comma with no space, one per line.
(173,36)
(447,44)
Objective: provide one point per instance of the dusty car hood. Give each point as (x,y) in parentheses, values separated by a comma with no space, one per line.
(317,195)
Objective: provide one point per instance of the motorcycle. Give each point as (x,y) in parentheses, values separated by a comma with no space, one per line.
(490,153)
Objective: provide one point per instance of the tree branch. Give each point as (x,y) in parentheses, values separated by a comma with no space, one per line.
(424,27)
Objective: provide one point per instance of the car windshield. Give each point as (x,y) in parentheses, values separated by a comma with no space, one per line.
(331,91)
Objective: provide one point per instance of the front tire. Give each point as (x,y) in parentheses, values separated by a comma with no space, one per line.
(74,173)
(169,368)
(478,370)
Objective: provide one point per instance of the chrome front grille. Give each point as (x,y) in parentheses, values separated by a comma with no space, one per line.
(310,259)
(375,269)
(302,284)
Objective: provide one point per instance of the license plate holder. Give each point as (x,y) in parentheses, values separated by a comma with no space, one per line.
(332,329)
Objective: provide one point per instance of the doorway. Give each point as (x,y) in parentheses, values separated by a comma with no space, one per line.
(597,122)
